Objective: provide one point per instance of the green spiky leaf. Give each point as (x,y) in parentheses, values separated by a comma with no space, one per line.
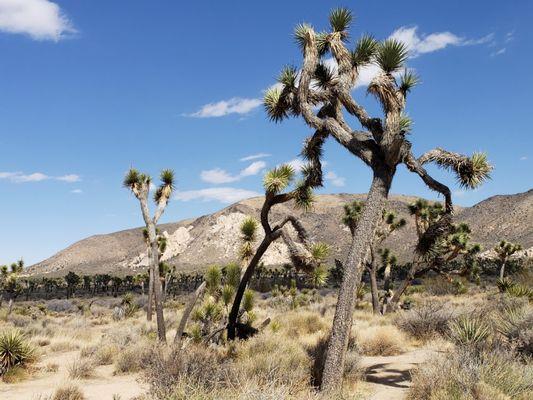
(391,55)
(287,76)
(275,105)
(340,19)
(365,51)
(277,179)
(302,34)
(408,81)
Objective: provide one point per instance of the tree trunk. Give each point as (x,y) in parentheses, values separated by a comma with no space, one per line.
(374,289)
(234,313)
(158,295)
(502,268)
(386,277)
(10,306)
(342,322)
(150,292)
(187,312)
(393,303)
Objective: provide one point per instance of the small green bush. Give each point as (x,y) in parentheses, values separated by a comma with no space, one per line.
(15,350)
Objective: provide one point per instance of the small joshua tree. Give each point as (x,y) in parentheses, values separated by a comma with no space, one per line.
(303,254)
(436,256)
(321,95)
(139,184)
(504,250)
(73,280)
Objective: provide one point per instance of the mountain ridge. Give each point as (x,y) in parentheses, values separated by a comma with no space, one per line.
(194,243)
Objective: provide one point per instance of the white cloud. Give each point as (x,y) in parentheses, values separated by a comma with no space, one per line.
(255,156)
(421,44)
(69,178)
(235,105)
(19,177)
(335,179)
(221,194)
(76,191)
(39,19)
(524,158)
(253,169)
(218,175)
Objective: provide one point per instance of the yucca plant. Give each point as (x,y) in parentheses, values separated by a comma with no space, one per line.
(15,350)
(504,251)
(518,290)
(469,331)
(504,284)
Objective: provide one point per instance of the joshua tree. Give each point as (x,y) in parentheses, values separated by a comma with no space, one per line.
(321,95)
(445,247)
(73,280)
(504,250)
(139,184)
(302,252)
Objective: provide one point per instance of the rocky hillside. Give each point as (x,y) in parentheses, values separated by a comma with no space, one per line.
(214,239)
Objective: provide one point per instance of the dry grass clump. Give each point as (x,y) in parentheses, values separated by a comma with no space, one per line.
(68,392)
(59,346)
(384,340)
(303,323)
(51,367)
(81,368)
(467,375)
(15,374)
(426,321)
(133,359)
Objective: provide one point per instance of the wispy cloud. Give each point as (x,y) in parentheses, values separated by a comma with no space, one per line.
(422,44)
(498,52)
(220,194)
(218,175)
(334,179)
(255,156)
(19,177)
(222,108)
(523,158)
(39,19)
(76,191)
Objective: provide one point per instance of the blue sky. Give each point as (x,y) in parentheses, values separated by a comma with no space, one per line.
(90,88)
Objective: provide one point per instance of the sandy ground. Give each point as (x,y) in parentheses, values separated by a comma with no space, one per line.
(389,378)
(102,387)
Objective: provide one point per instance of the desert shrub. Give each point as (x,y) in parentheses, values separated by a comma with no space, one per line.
(466,375)
(81,368)
(58,305)
(15,374)
(15,350)
(69,392)
(105,354)
(439,286)
(469,331)
(19,321)
(384,340)
(518,290)
(303,323)
(196,366)
(516,326)
(133,359)
(425,321)
(267,359)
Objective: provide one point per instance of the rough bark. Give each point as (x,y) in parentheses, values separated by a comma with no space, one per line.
(149,311)
(342,322)
(374,288)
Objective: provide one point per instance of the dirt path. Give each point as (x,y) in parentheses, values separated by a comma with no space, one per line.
(389,378)
(102,387)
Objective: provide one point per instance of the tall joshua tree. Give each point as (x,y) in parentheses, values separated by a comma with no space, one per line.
(381,143)
(139,184)
(504,250)
(303,254)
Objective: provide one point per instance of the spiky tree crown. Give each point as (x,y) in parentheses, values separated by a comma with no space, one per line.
(507,249)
